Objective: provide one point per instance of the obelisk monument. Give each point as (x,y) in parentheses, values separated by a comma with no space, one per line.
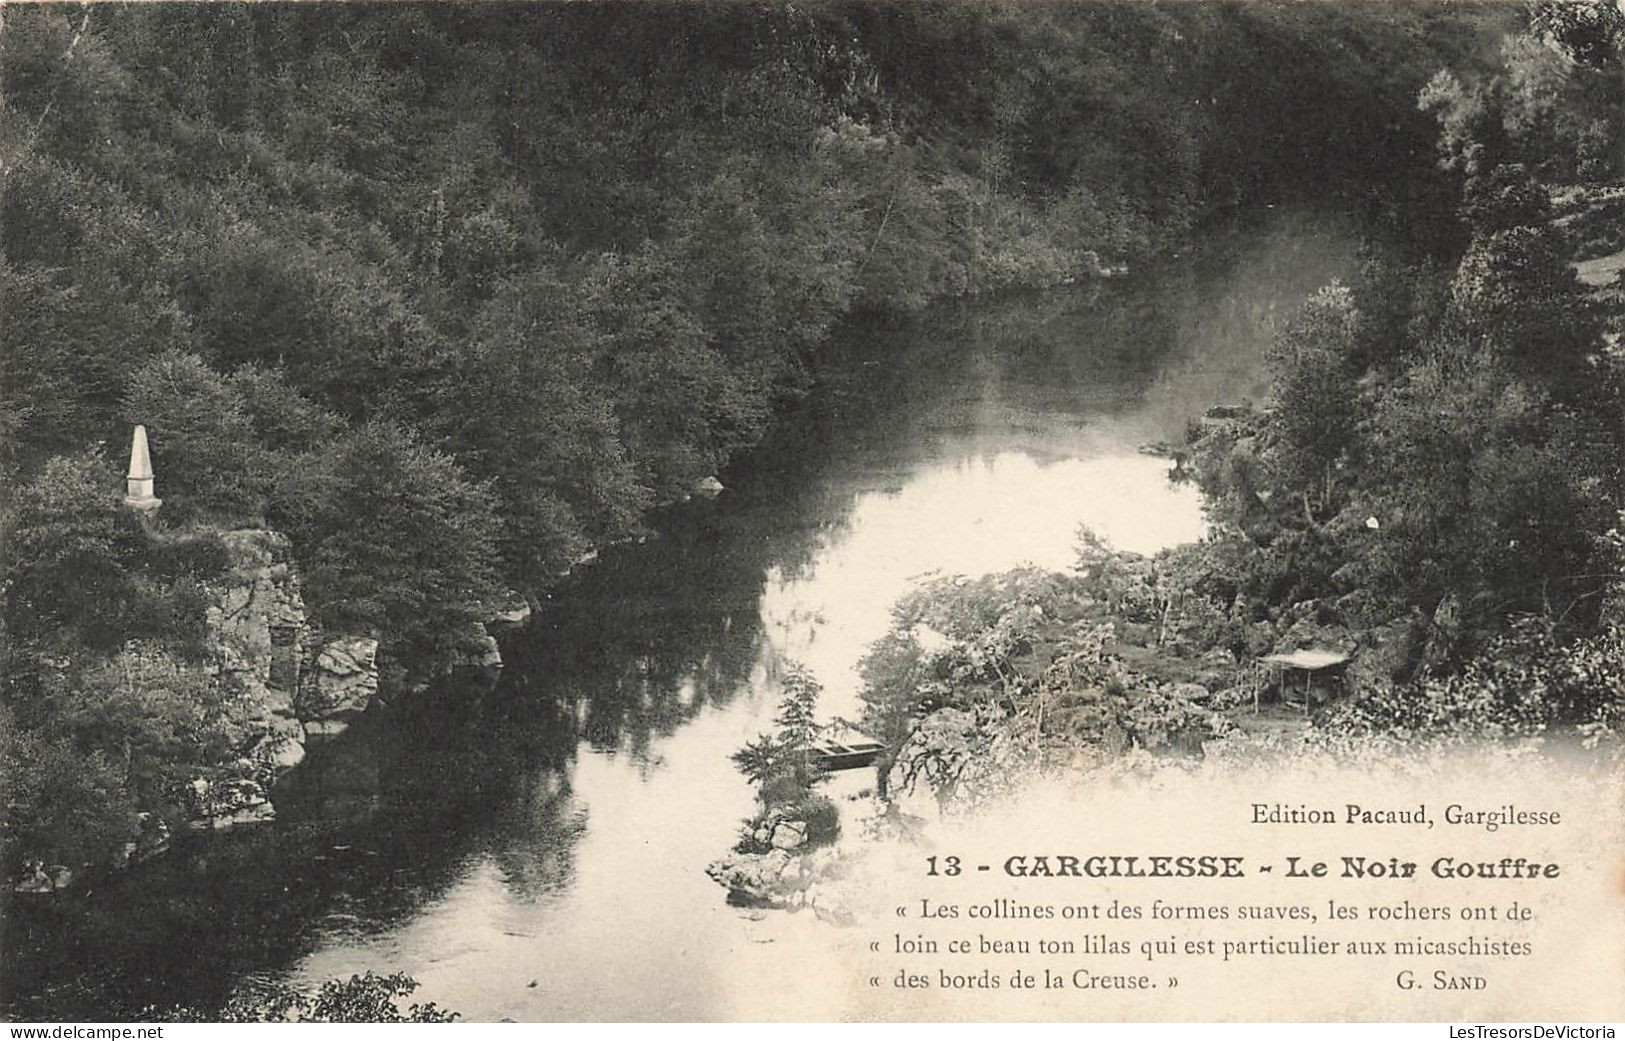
(138,486)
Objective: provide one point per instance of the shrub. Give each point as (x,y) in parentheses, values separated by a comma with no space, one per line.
(1525,683)
(367,998)
(69,550)
(200,555)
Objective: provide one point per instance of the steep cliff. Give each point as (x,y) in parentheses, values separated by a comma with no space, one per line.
(300,685)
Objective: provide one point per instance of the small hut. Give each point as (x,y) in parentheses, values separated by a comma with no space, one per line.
(1307,671)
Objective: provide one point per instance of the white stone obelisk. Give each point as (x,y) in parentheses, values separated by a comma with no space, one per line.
(138,486)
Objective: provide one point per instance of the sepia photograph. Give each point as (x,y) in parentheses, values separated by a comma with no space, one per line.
(812,511)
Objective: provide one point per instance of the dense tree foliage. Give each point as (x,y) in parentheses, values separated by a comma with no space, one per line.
(1442,446)
(582,249)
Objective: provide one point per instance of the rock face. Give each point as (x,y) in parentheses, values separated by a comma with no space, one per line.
(257,623)
(476,649)
(294,685)
(339,685)
(789,835)
(258,632)
(279,686)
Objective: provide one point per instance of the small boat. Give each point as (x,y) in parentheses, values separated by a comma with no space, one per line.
(831,754)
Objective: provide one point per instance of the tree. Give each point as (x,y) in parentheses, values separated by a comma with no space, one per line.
(60,805)
(783,759)
(1515,291)
(1314,402)
(682,409)
(395,539)
(1484,492)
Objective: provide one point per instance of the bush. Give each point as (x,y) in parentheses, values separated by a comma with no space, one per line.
(1525,683)
(367,998)
(200,555)
(58,804)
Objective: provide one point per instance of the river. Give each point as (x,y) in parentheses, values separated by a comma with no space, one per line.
(535,850)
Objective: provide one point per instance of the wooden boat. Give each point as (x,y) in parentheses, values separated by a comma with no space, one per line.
(831,754)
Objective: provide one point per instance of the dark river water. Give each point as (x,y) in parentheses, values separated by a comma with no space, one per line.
(535,848)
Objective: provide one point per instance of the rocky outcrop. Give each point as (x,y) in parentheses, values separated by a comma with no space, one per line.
(257,632)
(292,684)
(152,838)
(217,805)
(511,610)
(475,648)
(256,625)
(274,682)
(785,880)
(340,683)
(760,877)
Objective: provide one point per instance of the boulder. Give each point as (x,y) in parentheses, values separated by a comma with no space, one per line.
(219,805)
(708,487)
(152,836)
(1193,692)
(476,649)
(40,878)
(789,835)
(511,610)
(759,877)
(1298,630)
(1383,654)
(324,729)
(279,752)
(342,680)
